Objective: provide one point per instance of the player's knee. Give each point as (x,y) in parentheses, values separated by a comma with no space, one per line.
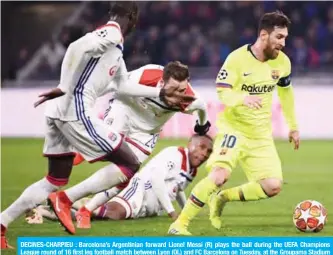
(115,211)
(125,156)
(219,175)
(271,186)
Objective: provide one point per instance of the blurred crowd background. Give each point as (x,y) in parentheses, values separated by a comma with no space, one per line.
(200,34)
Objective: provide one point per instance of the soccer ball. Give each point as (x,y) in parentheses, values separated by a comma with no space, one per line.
(310,216)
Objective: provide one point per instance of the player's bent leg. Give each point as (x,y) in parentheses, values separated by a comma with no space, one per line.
(94,206)
(199,196)
(102,145)
(251,191)
(271,186)
(262,167)
(124,167)
(103,179)
(124,156)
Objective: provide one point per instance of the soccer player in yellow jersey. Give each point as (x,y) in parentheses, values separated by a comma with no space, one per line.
(245,85)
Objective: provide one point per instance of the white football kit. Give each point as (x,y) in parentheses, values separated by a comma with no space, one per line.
(162,180)
(141,119)
(93,66)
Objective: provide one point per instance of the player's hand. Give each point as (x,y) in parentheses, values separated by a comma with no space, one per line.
(171,95)
(294,138)
(253,102)
(173,215)
(53,93)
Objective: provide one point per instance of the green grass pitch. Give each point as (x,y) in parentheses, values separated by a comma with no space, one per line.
(308,174)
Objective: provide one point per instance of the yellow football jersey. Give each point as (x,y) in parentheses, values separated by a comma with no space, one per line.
(245,75)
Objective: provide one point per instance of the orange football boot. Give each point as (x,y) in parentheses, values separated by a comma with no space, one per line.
(61,205)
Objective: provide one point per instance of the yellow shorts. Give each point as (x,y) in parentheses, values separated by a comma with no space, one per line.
(257,157)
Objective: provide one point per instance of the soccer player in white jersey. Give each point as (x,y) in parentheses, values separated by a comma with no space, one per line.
(152,190)
(89,65)
(141,120)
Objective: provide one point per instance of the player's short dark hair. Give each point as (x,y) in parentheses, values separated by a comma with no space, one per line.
(176,70)
(124,8)
(196,135)
(271,20)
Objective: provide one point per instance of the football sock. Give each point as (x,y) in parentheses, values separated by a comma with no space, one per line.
(105,178)
(250,191)
(31,197)
(197,200)
(101,198)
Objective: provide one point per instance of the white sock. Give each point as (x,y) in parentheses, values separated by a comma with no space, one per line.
(80,203)
(105,178)
(31,197)
(101,198)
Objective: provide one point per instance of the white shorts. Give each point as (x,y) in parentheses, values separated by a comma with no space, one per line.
(119,117)
(138,199)
(93,139)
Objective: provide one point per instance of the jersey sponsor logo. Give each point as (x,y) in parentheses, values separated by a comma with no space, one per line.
(253,89)
(275,74)
(223,74)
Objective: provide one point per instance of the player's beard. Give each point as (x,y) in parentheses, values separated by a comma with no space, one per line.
(271,53)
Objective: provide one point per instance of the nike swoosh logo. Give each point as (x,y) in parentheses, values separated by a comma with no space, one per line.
(246,74)
(57,205)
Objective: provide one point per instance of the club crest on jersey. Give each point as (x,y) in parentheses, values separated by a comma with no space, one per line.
(223,151)
(275,74)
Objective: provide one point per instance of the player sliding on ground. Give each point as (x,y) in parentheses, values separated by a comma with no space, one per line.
(141,120)
(152,190)
(245,85)
(90,65)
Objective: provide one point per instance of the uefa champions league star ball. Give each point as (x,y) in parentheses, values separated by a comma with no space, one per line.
(310,216)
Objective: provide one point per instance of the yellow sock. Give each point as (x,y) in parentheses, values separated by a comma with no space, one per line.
(250,191)
(197,200)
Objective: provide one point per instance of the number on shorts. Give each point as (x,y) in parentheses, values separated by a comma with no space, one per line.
(229,141)
(152,142)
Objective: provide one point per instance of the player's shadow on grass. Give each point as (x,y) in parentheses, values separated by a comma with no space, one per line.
(260,224)
(258,215)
